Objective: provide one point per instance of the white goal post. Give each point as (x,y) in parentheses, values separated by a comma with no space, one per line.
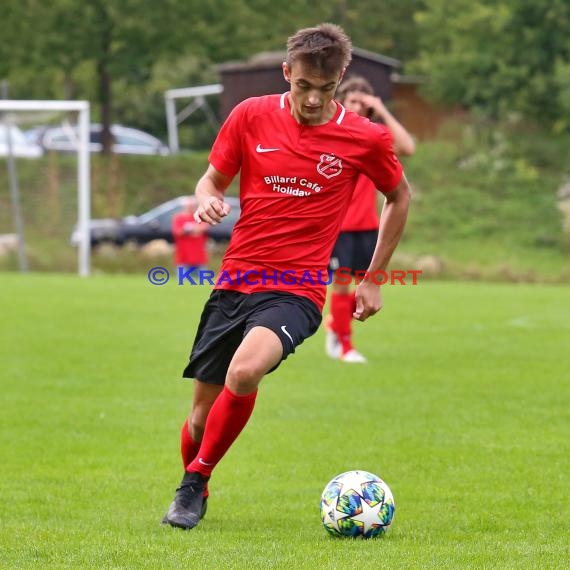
(82,108)
(197,94)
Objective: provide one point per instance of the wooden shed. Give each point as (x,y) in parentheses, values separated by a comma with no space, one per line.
(421,117)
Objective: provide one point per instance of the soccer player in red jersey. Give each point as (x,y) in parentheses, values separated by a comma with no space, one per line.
(299,155)
(359,232)
(190,238)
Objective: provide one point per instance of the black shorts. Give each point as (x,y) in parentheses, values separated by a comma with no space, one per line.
(353,250)
(229,315)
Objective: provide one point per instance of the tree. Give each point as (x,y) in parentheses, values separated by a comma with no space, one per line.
(499,57)
(91,49)
(387,27)
(123,38)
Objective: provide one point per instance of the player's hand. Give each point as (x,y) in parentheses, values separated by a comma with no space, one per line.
(211,210)
(368,300)
(373,102)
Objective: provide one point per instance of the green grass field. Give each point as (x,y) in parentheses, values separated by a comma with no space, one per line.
(464,409)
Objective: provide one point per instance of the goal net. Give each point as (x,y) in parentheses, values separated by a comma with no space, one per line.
(44,187)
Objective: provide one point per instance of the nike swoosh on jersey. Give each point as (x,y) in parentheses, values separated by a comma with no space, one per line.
(287,333)
(259,148)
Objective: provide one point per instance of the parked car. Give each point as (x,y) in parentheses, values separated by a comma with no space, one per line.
(34,135)
(154,224)
(126,140)
(21,146)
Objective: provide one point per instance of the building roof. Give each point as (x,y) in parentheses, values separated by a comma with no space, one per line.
(377,57)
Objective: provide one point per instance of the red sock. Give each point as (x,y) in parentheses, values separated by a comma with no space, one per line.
(188,447)
(228,416)
(342,307)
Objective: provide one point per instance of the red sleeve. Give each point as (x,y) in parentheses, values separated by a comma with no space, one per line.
(226,153)
(381,164)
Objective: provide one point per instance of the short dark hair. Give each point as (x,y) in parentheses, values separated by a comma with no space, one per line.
(354,83)
(325,47)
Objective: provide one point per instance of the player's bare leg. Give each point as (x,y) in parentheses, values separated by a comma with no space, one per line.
(203,399)
(258,353)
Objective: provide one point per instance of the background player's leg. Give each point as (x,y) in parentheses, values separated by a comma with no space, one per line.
(342,307)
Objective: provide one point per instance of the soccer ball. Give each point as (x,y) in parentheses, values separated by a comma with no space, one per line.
(357,504)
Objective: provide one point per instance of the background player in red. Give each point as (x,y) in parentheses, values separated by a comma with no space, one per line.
(190,238)
(359,232)
(299,155)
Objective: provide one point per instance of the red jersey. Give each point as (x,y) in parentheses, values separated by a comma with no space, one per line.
(296,184)
(188,249)
(362,214)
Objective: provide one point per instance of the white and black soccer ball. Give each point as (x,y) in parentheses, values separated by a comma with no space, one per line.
(357,504)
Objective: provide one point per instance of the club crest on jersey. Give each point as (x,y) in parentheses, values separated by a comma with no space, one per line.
(329,166)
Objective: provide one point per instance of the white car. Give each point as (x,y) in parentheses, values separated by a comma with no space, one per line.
(21,146)
(126,140)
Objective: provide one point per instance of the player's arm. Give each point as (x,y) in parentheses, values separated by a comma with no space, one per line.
(210,195)
(404,144)
(392,223)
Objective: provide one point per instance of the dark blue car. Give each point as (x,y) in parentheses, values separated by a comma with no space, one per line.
(154,224)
